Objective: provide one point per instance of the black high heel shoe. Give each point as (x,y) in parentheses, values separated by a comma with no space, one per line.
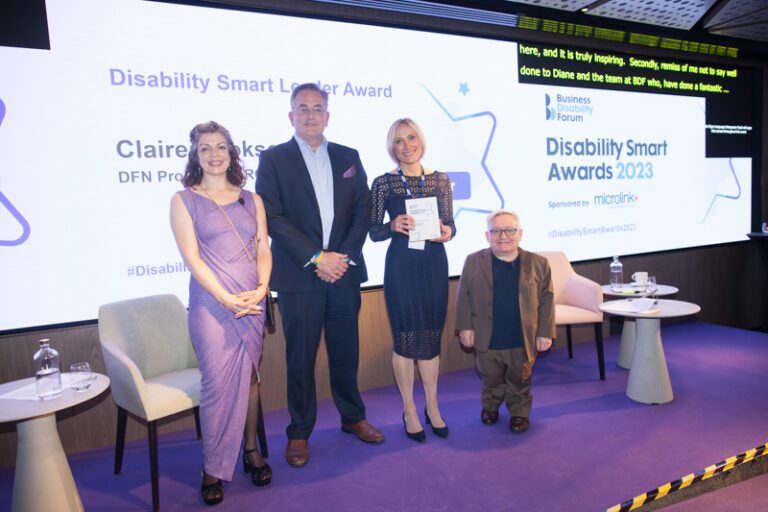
(212,494)
(419,436)
(260,475)
(438,431)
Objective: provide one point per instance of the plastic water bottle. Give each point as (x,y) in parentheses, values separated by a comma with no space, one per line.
(47,371)
(617,273)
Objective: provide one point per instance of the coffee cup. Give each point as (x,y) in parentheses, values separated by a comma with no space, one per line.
(640,278)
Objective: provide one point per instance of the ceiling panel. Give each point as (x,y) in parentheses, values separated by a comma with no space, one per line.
(680,14)
(735,12)
(753,32)
(433,9)
(742,19)
(563,5)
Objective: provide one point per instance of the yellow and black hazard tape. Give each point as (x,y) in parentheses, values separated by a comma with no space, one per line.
(687,480)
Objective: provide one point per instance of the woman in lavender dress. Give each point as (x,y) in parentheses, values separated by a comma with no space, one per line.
(221,232)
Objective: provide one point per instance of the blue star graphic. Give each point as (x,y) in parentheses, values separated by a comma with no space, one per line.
(483,161)
(4,201)
(463,88)
(734,196)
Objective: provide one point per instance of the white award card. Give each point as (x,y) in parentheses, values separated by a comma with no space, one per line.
(426,218)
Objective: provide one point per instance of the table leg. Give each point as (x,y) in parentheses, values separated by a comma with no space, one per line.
(648,377)
(627,346)
(42,480)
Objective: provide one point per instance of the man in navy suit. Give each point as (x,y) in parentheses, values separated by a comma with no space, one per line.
(318,210)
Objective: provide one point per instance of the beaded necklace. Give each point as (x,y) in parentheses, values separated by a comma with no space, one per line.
(405,182)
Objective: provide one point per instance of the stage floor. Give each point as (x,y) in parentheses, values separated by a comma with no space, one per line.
(589,446)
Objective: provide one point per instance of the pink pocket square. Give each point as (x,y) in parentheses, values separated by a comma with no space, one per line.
(350,173)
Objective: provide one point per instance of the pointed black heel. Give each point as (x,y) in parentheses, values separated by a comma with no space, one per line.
(260,475)
(438,431)
(419,436)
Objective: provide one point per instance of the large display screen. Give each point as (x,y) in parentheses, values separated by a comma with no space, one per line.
(600,153)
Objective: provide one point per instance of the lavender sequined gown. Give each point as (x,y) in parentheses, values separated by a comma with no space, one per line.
(228,349)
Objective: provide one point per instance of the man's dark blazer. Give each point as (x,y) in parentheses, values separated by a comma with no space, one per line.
(293,215)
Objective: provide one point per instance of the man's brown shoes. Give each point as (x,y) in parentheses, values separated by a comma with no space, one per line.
(489,417)
(364,431)
(518,424)
(297,452)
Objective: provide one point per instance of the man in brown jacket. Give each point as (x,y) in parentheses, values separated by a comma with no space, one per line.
(505,310)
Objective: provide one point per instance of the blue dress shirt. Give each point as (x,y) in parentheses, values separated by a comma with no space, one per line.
(319,166)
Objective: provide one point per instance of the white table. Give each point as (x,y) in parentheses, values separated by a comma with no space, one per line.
(648,374)
(42,479)
(627,345)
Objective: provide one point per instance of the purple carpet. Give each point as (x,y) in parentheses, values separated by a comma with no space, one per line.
(589,446)
(747,496)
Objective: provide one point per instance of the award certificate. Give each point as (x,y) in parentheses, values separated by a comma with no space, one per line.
(426,218)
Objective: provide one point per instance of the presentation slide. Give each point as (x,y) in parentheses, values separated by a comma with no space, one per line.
(94,139)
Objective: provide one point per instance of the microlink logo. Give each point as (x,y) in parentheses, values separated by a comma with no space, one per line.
(622,199)
(568,108)
(550,110)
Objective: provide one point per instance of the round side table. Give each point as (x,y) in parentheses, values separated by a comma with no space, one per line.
(648,374)
(627,345)
(42,479)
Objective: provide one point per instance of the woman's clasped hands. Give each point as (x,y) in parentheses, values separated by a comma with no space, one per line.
(245,303)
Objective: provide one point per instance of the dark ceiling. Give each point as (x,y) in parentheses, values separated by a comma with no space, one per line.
(736,23)
(733,24)
(741,19)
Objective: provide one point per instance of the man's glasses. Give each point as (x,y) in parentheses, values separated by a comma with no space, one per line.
(510,232)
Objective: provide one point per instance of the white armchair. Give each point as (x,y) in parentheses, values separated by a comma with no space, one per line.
(152,367)
(576,302)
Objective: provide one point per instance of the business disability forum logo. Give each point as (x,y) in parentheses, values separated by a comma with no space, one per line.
(568,108)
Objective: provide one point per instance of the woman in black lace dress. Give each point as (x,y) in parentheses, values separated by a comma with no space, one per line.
(415,273)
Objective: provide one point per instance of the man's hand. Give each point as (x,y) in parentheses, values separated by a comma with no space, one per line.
(543,344)
(467,338)
(332,266)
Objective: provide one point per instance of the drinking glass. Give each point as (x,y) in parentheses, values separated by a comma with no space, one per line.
(80,376)
(652,287)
